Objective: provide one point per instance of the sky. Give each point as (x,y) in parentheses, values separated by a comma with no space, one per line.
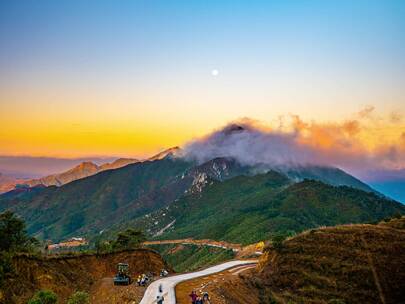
(129,78)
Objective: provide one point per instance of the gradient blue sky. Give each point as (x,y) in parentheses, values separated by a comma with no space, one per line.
(142,69)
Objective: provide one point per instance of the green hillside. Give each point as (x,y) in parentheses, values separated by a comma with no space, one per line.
(183,258)
(172,198)
(248,209)
(328,175)
(91,204)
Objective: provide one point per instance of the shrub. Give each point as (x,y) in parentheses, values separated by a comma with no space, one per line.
(277,240)
(44,297)
(102,246)
(79,297)
(129,239)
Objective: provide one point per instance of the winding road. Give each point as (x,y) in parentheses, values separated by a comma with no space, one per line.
(167,285)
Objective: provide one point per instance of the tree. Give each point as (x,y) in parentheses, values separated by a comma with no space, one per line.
(277,241)
(102,246)
(79,297)
(129,239)
(13,235)
(13,238)
(44,297)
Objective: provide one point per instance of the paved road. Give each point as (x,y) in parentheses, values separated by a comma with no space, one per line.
(168,284)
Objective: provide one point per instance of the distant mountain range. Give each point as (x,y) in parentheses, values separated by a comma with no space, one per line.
(82,170)
(389,182)
(175,197)
(29,167)
(8,183)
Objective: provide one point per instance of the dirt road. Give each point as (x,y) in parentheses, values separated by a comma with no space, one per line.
(104,292)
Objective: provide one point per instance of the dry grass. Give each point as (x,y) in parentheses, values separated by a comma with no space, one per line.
(343,264)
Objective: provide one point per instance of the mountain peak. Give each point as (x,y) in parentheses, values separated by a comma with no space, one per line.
(174,151)
(118,163)
(233,128)
(86,165)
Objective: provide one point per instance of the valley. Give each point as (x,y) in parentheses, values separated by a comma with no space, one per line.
(341,263)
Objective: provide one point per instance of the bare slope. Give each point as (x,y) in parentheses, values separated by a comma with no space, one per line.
(64,275)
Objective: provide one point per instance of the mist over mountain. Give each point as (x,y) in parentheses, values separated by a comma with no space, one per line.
(252,144)
(304,145)
(249,146)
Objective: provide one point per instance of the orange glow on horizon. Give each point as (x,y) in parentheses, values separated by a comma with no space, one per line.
(142,138)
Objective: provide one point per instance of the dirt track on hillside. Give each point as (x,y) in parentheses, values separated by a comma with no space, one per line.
(104,292)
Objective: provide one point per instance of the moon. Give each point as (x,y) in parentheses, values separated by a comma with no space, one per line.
(214,72)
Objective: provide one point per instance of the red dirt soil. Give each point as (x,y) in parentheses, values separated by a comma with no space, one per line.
(227,287)
(67,274)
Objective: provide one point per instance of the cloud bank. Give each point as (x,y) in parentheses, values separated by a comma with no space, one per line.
(294,142)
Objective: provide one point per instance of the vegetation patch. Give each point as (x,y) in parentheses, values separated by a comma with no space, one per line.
(249,209)
(190,257)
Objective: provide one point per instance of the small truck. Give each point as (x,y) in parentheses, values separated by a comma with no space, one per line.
(122,277)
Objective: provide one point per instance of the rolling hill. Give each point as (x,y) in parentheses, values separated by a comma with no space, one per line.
(247,209)
(340,265)
(343,264)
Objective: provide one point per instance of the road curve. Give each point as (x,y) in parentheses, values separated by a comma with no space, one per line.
(168,284)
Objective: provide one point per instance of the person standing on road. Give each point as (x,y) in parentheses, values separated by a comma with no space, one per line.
(206,298)
(193,296)
(159,299)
